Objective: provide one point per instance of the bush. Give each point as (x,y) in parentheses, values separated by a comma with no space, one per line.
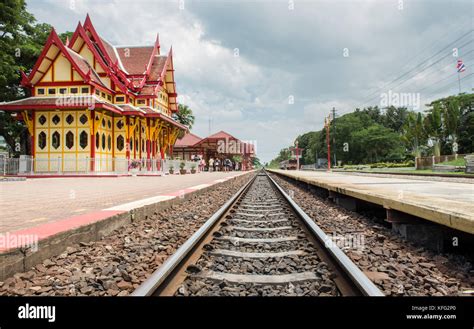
(409,163)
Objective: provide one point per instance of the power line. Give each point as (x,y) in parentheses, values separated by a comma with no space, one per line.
(417,66)
(432,45)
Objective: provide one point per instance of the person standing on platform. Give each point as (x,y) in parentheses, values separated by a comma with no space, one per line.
(216,165)
(211,164)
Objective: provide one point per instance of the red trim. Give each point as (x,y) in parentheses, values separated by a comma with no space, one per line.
(33,148)
(53,39)
(7,107)
(61,83)
(82,33)
(127,147)
(92,133)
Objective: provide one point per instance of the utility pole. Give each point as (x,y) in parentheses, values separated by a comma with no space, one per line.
(334,135)
(297,156)
(328,141)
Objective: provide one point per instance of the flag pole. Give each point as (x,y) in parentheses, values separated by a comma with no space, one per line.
(459,81)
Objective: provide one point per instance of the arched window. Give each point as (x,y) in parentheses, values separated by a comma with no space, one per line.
(83,139)
(56,140)
(97,141)
(103,141)
(109,142)
(42,140)
(69,139)
(120,143)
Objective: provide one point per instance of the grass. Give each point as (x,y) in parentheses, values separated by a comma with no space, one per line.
(458,162)
(421,172)
(409,171)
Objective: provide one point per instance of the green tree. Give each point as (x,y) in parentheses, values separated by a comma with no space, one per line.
(184,116)
(21,42)
(434,128)
(378,143)
(413,133)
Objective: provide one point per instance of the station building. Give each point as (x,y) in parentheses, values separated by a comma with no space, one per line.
(220,145)
(98,107)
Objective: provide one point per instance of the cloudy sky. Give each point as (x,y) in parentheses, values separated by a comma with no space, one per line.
(267,71)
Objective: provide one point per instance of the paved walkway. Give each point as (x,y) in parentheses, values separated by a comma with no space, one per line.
(34,202)
(447,203)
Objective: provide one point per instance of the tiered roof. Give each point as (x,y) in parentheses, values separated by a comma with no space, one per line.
(140,71)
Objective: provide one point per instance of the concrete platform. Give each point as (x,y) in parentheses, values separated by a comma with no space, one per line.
(48,215)
(446,203)
(30,203)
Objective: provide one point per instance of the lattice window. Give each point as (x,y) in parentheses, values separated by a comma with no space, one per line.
(56,119)
(83,119)
(69,119)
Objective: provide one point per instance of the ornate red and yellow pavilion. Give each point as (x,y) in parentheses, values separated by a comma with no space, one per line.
(95,107)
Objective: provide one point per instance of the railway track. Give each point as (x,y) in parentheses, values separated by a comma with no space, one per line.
(259,243)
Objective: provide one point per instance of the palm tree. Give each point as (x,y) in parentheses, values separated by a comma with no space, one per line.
(452,118)
(434,128)
(184,116)
(413,132)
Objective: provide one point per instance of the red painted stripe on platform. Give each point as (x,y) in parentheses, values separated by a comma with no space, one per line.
(70,176)
(46,230)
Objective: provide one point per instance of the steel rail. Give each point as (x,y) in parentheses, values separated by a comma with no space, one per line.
(165,272)
(364,284)
(152,284)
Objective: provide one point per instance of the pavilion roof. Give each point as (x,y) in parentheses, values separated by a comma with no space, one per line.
(188,140)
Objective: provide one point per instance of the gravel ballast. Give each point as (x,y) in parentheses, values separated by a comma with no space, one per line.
(396,266)
(121,261)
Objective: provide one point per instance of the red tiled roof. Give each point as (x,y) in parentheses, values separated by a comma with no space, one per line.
(128,108)
(188,140)
(137,59)
(148,109)
(110,50)
(221,135)
(157,67)
(84,66)
(147,90)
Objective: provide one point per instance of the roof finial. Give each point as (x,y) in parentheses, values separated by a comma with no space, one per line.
(67,41)
(157,43)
